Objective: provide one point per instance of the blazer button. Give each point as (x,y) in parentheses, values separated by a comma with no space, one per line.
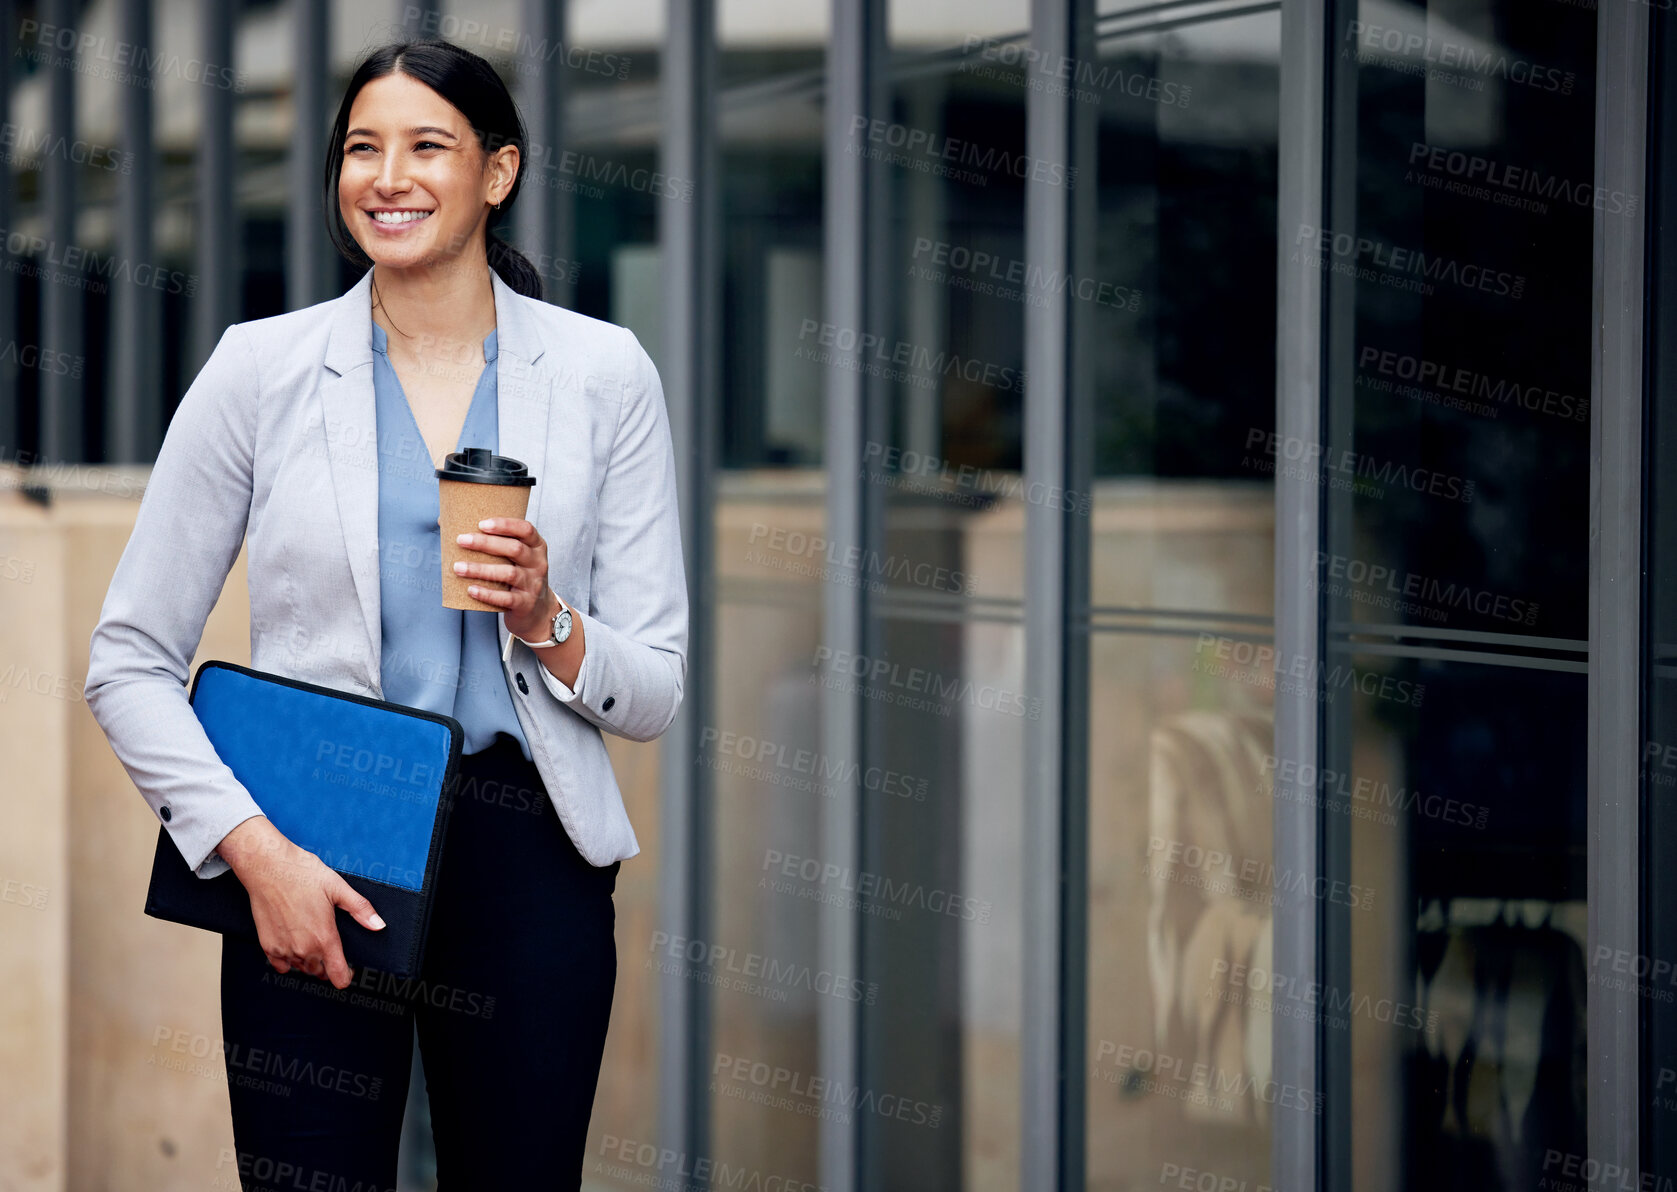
(165,813)
(522,685)
(610,701)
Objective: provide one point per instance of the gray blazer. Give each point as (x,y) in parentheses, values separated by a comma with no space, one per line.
(275,444)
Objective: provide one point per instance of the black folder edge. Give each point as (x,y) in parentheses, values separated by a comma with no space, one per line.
(439,826)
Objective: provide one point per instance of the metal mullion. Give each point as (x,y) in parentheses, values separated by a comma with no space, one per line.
(133,414)
(217,225)
(61,303)
(1059,224)
(1347,629)
(1334,746)
(689,242)
(10,423)
(1446,654)
(852,223)
(1300,201)
(1212,10)
(1615,672)
(306,273)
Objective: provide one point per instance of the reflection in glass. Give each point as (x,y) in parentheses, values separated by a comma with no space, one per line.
(1457,262)
(609,271)
(1466,985)
(766,983)
(948,706)
(1183,894)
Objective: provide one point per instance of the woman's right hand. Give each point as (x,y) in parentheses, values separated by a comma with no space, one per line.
(292,896)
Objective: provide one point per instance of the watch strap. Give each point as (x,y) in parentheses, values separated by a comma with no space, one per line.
(506,651)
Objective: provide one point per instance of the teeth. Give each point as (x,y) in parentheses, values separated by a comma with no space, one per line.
(398,217)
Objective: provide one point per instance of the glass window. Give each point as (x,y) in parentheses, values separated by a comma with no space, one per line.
(606,165)
(766,983)
(1453,582)
(1180,301)
(600,177)
(944,704)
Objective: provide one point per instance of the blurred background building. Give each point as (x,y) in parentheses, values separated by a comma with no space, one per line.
(1176,528)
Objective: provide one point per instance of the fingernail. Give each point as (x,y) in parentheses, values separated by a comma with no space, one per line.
(464,539)
(378,923)
(486,523)
(459,569)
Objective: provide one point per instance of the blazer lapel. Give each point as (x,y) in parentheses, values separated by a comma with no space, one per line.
(350,415)
(351,418)
(522,397)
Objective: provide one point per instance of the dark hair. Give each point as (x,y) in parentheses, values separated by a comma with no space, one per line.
(471,85)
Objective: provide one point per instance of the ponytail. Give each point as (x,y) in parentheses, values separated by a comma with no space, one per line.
(513,267)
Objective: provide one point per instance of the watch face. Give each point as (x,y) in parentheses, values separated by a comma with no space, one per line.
(562,625)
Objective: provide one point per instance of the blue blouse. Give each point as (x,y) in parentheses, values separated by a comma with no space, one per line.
(440,659)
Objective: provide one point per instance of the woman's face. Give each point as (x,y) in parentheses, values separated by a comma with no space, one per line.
(415,185)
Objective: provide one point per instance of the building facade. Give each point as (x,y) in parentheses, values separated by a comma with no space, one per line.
(1176,531)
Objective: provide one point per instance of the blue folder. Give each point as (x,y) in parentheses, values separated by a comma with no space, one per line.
(361,783)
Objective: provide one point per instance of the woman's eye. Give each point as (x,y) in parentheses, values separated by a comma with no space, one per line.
(358,145)
(427,145)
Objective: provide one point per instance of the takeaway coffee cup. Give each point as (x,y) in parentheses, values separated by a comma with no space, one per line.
(471,485)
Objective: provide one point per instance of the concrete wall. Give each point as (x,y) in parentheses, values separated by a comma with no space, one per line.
(95,996)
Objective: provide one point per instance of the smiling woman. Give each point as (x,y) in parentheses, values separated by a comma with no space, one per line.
(403,159)
(305,430)
(412,181)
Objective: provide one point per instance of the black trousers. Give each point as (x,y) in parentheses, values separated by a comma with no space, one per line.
(511,1009)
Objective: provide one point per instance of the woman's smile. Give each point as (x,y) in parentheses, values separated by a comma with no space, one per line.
(396,222)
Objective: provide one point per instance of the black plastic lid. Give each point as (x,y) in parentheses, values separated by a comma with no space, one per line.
(479,465)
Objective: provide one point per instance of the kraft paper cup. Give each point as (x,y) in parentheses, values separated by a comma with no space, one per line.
(471,485)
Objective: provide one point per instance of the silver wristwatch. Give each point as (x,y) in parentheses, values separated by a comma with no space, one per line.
(561,627)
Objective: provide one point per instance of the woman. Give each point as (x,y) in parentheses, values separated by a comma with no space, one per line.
(313,436)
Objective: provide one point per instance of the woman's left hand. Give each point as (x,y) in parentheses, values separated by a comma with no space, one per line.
(528,606)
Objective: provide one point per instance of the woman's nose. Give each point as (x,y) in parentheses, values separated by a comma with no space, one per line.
(393,175)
